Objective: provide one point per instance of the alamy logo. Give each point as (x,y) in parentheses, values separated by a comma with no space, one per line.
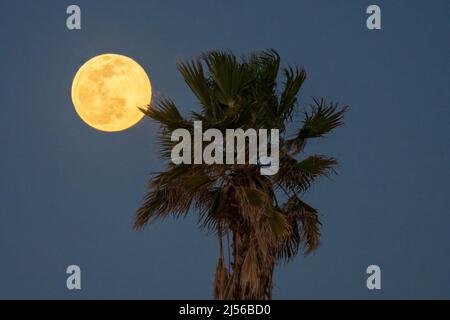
(73,22)
(235,150)
(73,282)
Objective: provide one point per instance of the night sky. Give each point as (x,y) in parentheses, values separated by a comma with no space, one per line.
(68,193)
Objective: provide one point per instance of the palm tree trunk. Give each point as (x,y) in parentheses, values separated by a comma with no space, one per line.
(238,286)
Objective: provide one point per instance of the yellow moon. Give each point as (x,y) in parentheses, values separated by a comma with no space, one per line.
(108,90)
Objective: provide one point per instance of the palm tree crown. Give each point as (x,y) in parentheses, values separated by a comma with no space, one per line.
(264,216)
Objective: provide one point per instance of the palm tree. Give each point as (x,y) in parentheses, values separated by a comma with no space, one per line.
(263,218)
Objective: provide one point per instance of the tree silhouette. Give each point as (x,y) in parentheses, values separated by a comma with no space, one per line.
(263,217)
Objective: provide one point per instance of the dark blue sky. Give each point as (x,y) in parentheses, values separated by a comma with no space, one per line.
(68,193)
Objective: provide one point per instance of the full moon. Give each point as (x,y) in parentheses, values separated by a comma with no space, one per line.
(108,90)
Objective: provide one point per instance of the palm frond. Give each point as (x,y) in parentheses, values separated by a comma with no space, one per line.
(229,76)
(172,192)
(166,113)
(305,228)
(198,82)
(265,65)
(323,118)
(294,78)
(299,175)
